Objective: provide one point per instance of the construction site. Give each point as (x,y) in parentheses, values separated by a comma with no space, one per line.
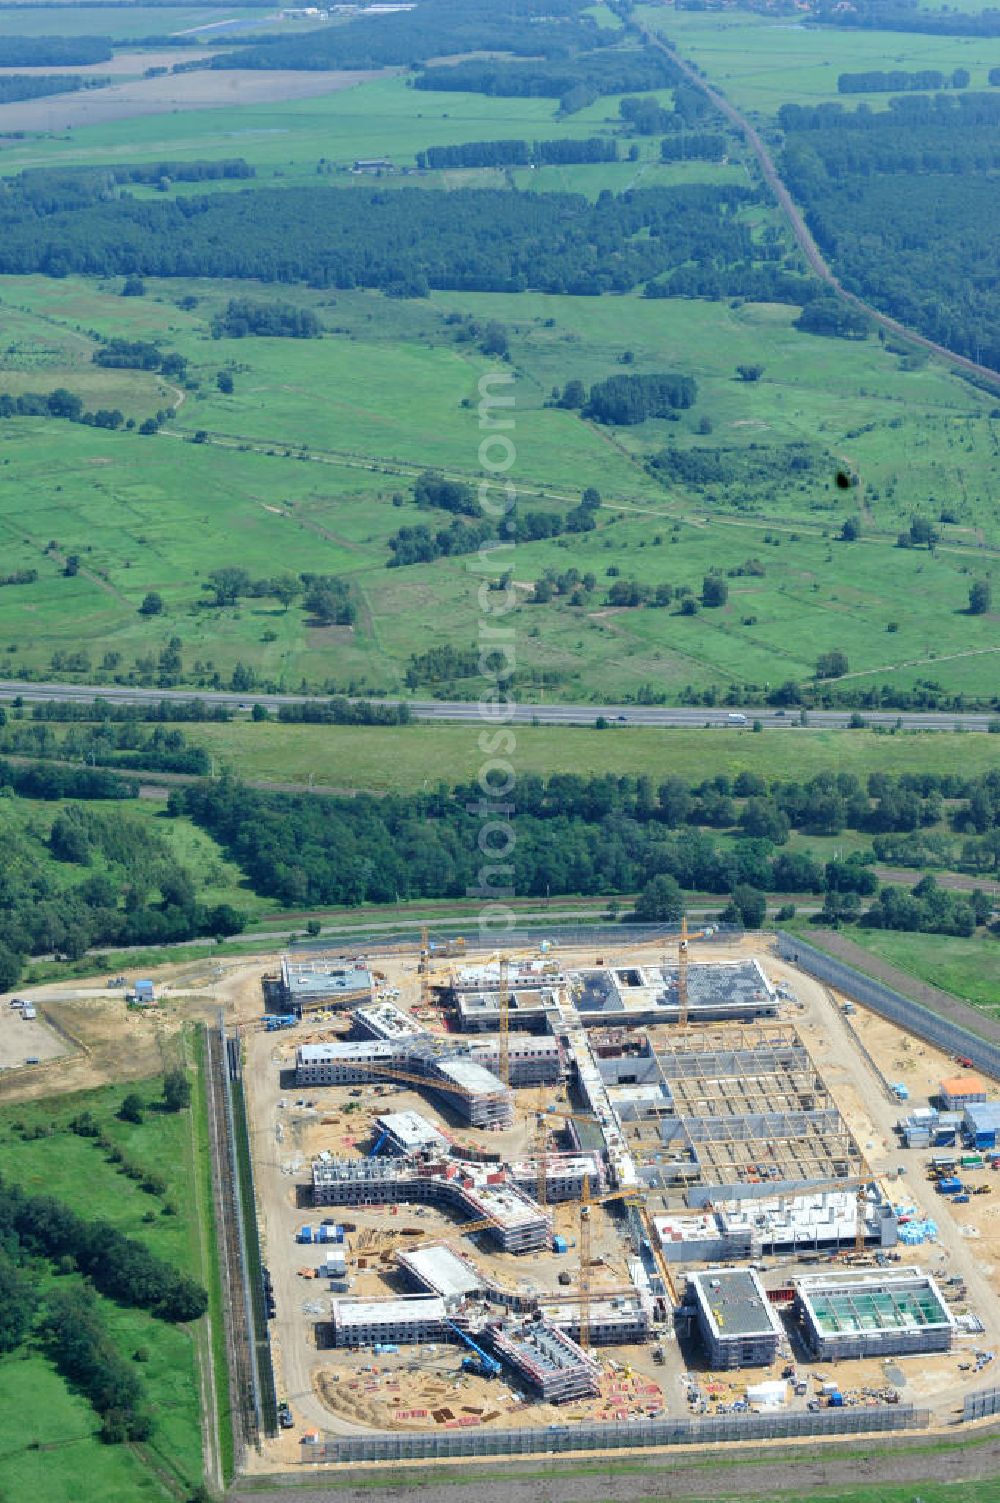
(536,1190)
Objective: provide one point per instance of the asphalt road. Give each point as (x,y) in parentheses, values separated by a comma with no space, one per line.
(520,714)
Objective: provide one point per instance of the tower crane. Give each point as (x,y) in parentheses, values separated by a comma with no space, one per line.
(682,970)
(583,1242)
(504,1008)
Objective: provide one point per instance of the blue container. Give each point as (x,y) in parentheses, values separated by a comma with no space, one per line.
(305,1234)
(559,1244)
(836,1401)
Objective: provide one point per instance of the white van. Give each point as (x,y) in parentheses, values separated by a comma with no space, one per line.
(735,718)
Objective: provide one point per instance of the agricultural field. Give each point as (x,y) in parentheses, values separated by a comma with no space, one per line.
(761,63)
(119,22)
(56,1450)
(412,757)
(293,141)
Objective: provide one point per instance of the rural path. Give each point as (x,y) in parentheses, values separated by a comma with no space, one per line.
(800,229)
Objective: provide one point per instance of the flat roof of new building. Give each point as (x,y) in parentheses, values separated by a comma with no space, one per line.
(359,1312)
(441,1270)
(324,977)
(506,1204)
(983,1116)
(734,1301)
(467,1073)
(349,1052)
(411,1129)
(963,1085)
(389,1020)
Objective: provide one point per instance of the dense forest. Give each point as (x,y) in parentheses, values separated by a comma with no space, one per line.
(909,15)
(437,28)
(595,835)
(904,202)
(632,399)
(109,878)
(53,51)
(576,82)
(17,86)
(404,241)
(243,316)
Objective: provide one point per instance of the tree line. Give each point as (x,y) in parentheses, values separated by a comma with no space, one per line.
(53,51)
(518,153)
(419,545)
(898,81)
(17,86)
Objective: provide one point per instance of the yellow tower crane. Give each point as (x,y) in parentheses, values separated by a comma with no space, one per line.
(583,1242)
(504,1004)
(682,971)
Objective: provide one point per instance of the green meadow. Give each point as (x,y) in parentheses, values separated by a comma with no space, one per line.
(968,968)
(761,63)
(308,464)
(55,1450)
(415,756)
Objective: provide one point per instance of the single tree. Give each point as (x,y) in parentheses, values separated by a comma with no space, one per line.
(176,1090)
(660,902)
(131,1108)
(152,604)
(980,597)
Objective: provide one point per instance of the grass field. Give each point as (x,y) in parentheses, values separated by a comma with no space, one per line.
(72,1461)
(215,878)
(115,21)
(968,968)
(424,755)
(382,396)
(761,63)
(286,142)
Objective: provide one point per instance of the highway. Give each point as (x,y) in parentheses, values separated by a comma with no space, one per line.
(522,714)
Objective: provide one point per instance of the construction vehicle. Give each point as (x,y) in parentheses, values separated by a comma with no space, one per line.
(274,1020)
(477,1360)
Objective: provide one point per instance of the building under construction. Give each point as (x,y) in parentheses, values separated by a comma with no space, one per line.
(322,982)
(731,991)
(444,1069)
(735,1318)
(819,1221)
(729,1114)
(872,1315)
(547,1360)
(515,1221)
(415,1319)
